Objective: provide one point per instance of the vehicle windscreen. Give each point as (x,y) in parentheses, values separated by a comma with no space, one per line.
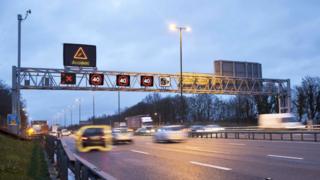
(93,132)
(289,119)
(196,127)
(212,126)
(120,130)
(178,128)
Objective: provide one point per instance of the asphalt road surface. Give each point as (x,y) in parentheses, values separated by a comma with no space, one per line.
(208,159)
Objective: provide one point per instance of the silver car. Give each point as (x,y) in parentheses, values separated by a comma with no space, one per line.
(173,133)
(121,135)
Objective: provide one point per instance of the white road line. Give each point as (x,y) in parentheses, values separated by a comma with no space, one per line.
(210,165)
(286,157)
(237,144)
(192,147)
(202,150)
(141,152)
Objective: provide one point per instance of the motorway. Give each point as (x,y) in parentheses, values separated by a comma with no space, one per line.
(207,159)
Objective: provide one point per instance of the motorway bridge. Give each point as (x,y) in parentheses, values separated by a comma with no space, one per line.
(209,158)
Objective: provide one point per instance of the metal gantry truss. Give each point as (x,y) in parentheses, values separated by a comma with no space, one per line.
(193,83)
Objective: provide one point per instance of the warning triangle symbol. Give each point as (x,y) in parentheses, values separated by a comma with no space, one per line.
(80,54)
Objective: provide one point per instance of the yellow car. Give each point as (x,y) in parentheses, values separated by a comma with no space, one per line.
(94,137)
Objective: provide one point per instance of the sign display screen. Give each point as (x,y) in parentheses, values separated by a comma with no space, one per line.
(123,80)
(79,55)
(12,119)
(68,78)
(146,81)
(96,79)
(165,81)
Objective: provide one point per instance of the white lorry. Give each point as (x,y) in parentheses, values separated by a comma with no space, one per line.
(279,121)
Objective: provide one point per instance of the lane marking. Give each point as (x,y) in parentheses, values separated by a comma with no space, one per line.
(237,144)
(141,152)
(286,157)
(202,150)
(192,147)
(210,165)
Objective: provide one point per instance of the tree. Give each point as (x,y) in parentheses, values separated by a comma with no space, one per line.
(311,88)
(6,105)
(300,101)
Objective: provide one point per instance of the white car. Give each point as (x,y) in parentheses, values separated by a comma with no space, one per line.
(121,135)
(53,133)
(175,133)
(65,132)
(145,131)
(212,128)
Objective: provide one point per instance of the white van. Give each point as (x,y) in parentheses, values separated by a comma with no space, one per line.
(279,121)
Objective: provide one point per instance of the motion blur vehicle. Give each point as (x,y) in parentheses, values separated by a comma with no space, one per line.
(54,130)
(279,121)
(121,135)
(173,133)
(145,131)
(94,137)
(139,121)
(197,128)
(40,127)
(65,132)
(53,133)
(213,128)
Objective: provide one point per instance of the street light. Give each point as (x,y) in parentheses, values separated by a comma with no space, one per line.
(78,100)
(118,107)
(93,105)
(64,117)
(17,109)
(159,118)
(70,108)
(174,27)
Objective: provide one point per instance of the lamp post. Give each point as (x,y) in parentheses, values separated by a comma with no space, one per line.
(78,100)
(64,117)
(17,109)
(158,117)
(71,109)
(174,27)
(119,106)
(93,106)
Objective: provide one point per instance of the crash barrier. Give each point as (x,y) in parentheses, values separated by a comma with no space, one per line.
(63,159)
(256,128)
(261,135)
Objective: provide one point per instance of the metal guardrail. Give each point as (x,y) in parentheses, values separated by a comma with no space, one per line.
(261,135)
(307,127)
(65,159)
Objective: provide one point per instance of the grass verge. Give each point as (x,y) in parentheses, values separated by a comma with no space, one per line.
(21,159)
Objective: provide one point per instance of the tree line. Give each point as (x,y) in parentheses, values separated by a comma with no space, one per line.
(231,110)
(6,105)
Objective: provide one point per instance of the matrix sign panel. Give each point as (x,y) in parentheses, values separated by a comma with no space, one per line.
(146,81)
(68,78)
(79,55)
(165,81)
(96,79)
(123,80)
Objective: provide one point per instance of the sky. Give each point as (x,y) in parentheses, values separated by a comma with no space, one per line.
(133,35)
